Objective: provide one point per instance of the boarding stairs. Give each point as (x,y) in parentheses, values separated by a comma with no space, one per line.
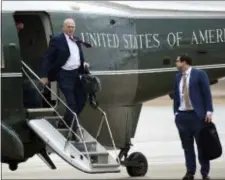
(80,150)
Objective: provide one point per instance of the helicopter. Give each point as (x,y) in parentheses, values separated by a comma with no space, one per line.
(133,56)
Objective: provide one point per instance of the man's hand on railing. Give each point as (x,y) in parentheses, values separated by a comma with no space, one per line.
(94,104)
(86,68)
(86,65)
(44,81)
(92,101)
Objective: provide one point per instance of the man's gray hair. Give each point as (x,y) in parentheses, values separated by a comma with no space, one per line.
(68,20)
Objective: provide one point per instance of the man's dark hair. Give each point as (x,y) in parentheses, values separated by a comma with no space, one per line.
(186,58)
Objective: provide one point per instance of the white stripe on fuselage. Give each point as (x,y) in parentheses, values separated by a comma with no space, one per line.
(133,71)
(156,70)
(11,74)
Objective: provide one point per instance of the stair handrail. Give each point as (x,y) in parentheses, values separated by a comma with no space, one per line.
(74,114)
(104,117)
(110,132)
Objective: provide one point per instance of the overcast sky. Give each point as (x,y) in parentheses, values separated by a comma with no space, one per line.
(197,5)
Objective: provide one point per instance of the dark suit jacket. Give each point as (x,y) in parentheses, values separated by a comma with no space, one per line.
(56,56)
(199,89)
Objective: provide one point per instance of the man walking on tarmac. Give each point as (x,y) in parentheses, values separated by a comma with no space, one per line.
(192,108)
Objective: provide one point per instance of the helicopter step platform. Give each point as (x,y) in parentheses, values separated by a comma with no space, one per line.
(88,156)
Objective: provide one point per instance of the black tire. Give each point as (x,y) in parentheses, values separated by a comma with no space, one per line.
(13,166)
(137,171)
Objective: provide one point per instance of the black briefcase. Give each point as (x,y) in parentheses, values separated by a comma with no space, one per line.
(210,142)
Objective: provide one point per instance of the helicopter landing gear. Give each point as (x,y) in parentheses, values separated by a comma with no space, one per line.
(13,166)
(136,163)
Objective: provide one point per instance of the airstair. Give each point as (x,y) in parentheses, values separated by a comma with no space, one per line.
(80,150)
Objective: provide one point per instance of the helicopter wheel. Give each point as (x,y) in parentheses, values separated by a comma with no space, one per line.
(138,164)
(13,166)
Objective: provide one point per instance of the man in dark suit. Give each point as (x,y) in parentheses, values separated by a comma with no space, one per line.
(64,62)
(192,108)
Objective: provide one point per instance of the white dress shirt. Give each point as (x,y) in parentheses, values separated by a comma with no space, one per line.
(73,61)
(182,102)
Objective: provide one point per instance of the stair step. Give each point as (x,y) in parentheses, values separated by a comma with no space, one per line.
(91,145)
(65,133)
(53,120)
(95,153)
(98,157)
(36,113)
(40,110)
(99,165)
(53,117)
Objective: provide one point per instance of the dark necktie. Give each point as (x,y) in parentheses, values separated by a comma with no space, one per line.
(72,39)
(80,42)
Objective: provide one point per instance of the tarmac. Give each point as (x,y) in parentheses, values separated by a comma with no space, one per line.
(159,142)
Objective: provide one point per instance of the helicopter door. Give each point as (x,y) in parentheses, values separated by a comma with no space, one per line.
(34,32)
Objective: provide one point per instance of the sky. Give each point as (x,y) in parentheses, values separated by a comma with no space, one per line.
(88,5)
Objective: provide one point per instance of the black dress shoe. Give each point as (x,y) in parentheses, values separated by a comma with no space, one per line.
(205,177)
(188,176)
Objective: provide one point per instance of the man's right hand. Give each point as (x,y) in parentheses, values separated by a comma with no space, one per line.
(44,81)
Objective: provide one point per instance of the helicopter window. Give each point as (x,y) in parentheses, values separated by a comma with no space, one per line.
(2,57)
(166,61)
(112,21)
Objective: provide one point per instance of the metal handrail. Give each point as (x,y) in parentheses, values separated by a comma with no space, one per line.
(104,117)
(110,132)
(100,128)
(74,114)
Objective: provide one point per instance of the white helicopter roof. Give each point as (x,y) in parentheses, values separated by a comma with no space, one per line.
(175,5)
(124,8)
